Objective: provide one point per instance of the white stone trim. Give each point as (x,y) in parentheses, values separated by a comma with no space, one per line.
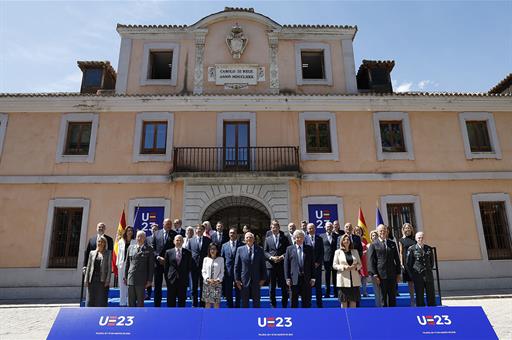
(406,128)
(237,116)
(491,128)
(4,118)
(153,117)
(323,200)
(349,65)
(327,63)
(331,117)
(477,198)
(65,203)
(123,65)
(148,47)
(255,103)
(147,202)
(197,197)
(63,132)
(397,199)
(311,177)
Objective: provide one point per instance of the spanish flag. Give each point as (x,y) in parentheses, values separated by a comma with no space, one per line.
(362,223)
(119,234)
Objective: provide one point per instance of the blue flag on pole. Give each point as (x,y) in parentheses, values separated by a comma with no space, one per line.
(378,218)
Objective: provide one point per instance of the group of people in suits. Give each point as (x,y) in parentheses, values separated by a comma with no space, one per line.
(224,264)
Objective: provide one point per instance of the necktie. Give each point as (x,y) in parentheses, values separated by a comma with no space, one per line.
(250,254)
(178,256)
(200,242)
(276,241)
(329,238)
(301,260)
(166,235)
(232,246)
(313,241)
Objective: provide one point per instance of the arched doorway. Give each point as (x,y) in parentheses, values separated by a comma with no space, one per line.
(237,212)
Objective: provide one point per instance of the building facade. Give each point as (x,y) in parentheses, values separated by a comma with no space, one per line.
(241,119)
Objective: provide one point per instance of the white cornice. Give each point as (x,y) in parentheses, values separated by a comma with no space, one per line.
(254,103)
(312,177)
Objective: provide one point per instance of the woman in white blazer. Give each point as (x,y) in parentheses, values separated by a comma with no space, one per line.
(348,263)
(213,273)
(123,243)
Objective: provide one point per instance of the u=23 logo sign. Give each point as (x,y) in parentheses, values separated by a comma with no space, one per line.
(112,321)
(275,322)
(433,320)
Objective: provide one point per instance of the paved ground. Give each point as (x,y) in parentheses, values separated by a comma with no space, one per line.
(34,321)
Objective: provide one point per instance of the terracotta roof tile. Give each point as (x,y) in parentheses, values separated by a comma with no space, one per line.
(502,85)
(97,64)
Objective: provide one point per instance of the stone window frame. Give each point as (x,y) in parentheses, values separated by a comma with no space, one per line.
(488,117)
(314,46)
(148,48)
(331,199)
(83,203)
(408,154)
(401,199)
(153,117)
(317,156)
(63,134)
(4,119)
(487,197)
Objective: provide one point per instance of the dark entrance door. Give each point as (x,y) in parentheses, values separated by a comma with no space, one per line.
(236,145)
(238,216)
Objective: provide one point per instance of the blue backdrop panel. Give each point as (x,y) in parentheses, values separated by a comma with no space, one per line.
(118,323)
(319,214)
(146,216)
(269,323)
(333,323)
(420,323)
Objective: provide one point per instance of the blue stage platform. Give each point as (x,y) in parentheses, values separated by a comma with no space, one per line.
(402,300)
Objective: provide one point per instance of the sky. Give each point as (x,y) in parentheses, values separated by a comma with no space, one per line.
(437,46)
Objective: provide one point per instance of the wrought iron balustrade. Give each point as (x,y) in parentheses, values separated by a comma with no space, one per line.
(236,159)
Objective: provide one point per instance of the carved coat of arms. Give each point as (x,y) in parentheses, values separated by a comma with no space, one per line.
(236,41)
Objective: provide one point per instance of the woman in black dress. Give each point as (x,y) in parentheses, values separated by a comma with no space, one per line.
(347,263)
(404,243)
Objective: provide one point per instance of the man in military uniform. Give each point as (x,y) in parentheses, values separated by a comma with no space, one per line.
(139,270)
(420,260)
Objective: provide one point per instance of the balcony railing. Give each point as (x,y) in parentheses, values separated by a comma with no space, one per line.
(230,159)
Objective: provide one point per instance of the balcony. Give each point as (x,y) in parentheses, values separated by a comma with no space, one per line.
(219,161)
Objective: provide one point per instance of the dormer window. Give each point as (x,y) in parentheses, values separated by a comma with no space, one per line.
(160,64)
(92,77)
(312,64)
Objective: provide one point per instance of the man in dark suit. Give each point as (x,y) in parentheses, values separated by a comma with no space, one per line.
(149,242)
(177,227)
(289,234)
(91,245)
(228,252)
(178,263)
(316,242)
(199,248)
(384,266)
(275,247)
(219,236)
(250,271)
(330,243)
(356,240)
(138,270)
(162,241)
(299,269)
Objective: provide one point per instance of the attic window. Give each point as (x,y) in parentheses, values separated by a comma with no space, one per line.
(160,65)
(312,64)
(92,77)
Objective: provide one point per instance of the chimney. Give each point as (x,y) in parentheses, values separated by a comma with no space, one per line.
(375,76)
(98,77)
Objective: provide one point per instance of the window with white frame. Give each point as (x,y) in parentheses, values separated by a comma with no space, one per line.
(493,215)
(160,64)
(313,64)
(318,136)
(66,230)
(3,129)
(77,137)
(393,135)
(479,135)
(399,209)
(153,137)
